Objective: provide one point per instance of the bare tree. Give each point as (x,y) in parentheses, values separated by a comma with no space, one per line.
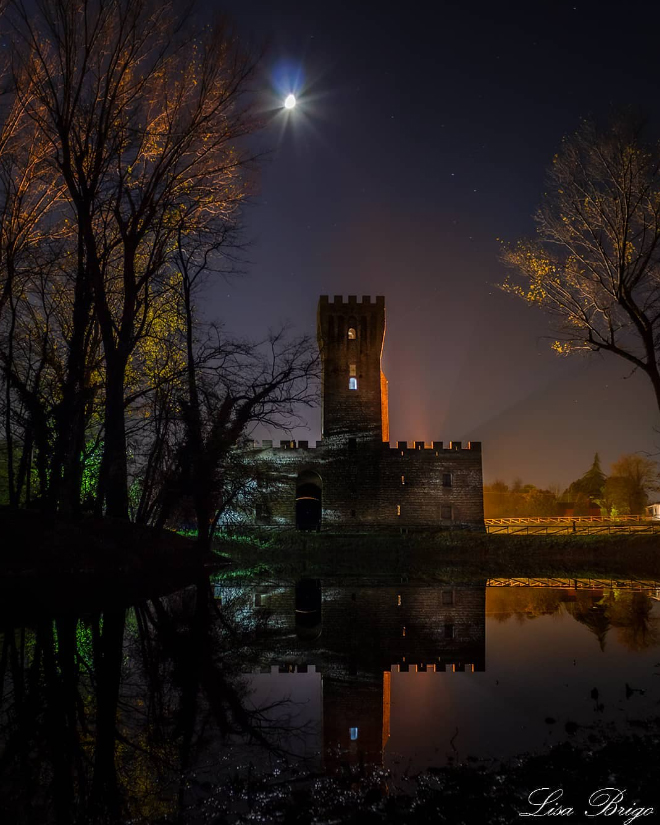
(27,195)
(231,386)
(595,265)
(143,116)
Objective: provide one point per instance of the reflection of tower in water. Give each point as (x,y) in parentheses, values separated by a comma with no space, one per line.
(359,639)
(373,633)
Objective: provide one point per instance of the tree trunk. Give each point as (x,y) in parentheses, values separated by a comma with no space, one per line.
(114,447)
(108,661)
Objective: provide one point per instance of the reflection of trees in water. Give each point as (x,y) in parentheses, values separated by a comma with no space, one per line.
(590,610)
(630,614)
(110,716)
(627,611)
(523,603)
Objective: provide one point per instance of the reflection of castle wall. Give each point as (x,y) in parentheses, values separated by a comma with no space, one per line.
(375,628)
(365,632)
(369,629)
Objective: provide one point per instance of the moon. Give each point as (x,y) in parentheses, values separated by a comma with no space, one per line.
(290,102)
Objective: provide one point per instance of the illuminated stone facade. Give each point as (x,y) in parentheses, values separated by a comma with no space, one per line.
(353,477)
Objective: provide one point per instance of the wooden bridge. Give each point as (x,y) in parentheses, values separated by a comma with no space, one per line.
(564,525)
(651,586)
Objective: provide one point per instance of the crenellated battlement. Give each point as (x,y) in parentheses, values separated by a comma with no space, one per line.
(427,447)
(352,301)
(436,667)
(433,446)
(440,667)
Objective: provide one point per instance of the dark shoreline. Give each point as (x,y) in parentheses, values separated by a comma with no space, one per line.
(443,556)
(472,791)
(86,562)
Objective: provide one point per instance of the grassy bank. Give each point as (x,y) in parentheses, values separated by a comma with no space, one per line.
(442,556)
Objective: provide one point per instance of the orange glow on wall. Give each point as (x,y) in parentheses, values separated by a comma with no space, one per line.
(384,407)
(387,680)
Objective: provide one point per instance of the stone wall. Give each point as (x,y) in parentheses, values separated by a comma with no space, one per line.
(371,629)
(366,632)
(404,486)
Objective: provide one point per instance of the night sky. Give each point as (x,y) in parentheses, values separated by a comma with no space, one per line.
(422,136)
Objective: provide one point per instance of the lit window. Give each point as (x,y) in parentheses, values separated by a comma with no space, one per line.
(403,479)
(352,369)
(352,334)
(398,509)
(404,630)
(398,600)
(352,383)
(354,734)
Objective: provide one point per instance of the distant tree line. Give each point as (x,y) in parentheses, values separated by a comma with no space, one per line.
(627,490)
(124,168)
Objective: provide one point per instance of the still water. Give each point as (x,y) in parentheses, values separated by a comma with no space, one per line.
(142,714)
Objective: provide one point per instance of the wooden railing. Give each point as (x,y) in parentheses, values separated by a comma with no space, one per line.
(535,529)
(652,586)
(567,520)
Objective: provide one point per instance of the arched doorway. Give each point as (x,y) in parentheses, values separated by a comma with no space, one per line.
(308,500)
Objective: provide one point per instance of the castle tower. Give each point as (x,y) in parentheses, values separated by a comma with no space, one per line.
(354,389)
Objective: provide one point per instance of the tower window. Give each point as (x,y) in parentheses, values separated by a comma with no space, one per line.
(398,509)
(352,383)
(352,369)
(446,479)
(353,734)
(403,479)
(352,334)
